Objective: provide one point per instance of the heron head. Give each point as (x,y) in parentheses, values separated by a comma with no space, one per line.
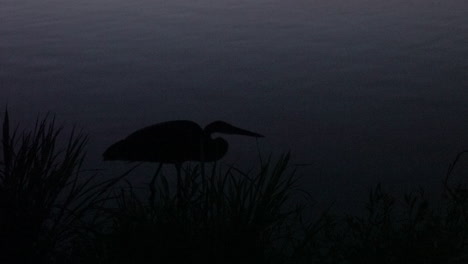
(225,128)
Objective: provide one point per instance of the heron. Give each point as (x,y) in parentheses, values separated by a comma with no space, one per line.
(175,142)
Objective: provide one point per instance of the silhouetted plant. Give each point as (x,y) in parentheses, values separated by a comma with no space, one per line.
(226,217)
(51,213)
(414,232)
(43,195)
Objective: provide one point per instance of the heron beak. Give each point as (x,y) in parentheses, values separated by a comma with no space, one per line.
(225,128)
(243,132)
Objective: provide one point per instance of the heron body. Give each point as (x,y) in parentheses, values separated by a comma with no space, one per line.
(175,142)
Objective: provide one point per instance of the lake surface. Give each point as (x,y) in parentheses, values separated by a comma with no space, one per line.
(361,91)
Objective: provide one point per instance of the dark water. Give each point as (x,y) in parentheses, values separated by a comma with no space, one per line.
(363,91)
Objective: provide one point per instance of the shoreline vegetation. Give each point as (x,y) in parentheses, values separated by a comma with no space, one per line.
(52,211)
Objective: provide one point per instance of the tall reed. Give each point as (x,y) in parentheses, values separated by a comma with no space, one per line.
(44,196)
(227,216)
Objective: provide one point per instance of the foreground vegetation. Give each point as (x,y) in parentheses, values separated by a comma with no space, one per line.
(51,211)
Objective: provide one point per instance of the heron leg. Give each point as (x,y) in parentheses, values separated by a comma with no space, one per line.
(179,179)
(152,184)
(202,171)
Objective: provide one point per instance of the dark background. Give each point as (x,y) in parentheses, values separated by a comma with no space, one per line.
(361,91)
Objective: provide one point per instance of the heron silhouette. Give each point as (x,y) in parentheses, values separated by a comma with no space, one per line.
(175,142)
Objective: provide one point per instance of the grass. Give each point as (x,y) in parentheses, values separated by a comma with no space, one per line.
(227,216)
(44,196)
(51,211)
